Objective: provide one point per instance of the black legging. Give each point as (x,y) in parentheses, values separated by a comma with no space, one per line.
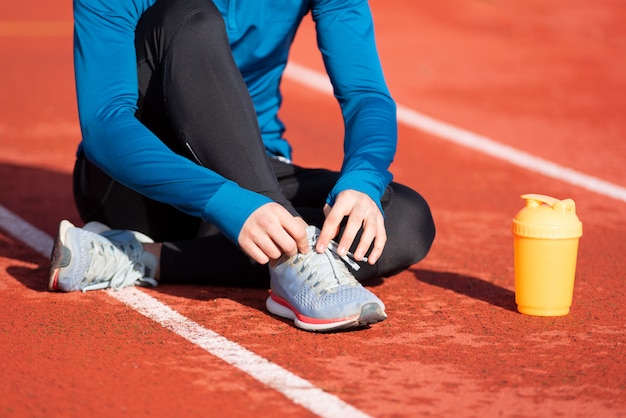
(193,98)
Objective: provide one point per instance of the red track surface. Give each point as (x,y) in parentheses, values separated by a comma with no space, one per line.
(544,77)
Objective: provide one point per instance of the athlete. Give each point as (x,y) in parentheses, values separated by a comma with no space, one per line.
(184,174)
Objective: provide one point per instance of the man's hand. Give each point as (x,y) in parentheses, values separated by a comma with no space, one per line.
(272,231)
(362,213)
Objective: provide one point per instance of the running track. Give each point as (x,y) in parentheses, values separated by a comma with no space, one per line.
(495,101)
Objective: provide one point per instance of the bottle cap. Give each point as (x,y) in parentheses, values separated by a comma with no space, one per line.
(548,218)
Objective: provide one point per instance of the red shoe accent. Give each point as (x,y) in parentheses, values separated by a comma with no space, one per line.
(53,284)
(304,318)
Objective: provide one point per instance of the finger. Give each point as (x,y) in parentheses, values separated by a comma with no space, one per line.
(285,244)
(291,239)
(256,254)
(296,228)
(352,228)
(330,228)
(269,247)
(379,245)
(326,209)
(368,235)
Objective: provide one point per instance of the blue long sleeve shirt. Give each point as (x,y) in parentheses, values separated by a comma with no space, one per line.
(260,34)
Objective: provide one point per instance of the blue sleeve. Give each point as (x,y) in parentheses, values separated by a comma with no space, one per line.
(345,35)
(114,140)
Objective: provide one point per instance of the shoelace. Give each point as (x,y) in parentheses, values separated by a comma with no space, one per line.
(135,254)
(333,247)
(113,266)
(341,275)
(333,251)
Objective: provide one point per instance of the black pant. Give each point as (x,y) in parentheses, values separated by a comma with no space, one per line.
(193,98)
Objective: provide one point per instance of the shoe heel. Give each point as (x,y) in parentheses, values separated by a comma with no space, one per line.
(60,256)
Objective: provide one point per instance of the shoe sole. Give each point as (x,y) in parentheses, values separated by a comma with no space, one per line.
(371,313)
(60,256)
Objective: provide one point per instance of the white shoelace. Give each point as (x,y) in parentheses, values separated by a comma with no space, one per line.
(114,267)
(333,247)
(340,277)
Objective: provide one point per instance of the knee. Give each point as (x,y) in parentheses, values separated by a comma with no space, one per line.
(166,18)
(410,225)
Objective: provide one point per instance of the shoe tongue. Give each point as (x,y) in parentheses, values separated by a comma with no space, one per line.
(312,233)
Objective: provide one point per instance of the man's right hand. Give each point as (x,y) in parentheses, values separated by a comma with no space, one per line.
(271,231)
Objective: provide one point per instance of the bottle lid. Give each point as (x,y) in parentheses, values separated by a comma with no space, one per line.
(548,218)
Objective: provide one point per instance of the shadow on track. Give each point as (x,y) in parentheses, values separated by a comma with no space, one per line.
(472,287)
(40,197)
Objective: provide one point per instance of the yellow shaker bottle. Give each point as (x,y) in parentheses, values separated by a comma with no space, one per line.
(545,246)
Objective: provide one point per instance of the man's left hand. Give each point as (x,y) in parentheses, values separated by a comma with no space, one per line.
(363,214)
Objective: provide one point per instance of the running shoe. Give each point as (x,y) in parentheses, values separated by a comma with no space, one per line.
(83,259)
(318,292)
(131,243)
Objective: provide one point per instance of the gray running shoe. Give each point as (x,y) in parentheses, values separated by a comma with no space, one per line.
(319,293)
(83,259)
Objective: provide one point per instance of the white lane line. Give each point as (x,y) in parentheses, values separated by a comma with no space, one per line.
(25,232)
(293,387)
(319,82)
(298,390)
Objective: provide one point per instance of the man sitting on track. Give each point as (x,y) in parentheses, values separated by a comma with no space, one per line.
(178,104)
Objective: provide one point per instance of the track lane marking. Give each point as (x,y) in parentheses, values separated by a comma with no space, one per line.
(295,388)
(319,81)
(299,390)
(25,232)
